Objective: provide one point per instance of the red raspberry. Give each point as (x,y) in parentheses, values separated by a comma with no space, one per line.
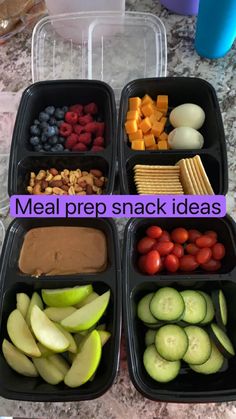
(65,129)
(85,138)
(71,141)
(91,108)
(97,148)
(71,117)
(77,109)
(83,120)
(78,129)
(100,129)
(80,147)
(91,127)
(99,141)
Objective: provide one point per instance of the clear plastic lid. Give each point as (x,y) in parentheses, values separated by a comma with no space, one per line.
(108,46)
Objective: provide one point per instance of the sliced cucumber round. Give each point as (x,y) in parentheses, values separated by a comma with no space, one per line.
(167,304)
(210,311)
(150,337)
(159,368)
(154,326)
(221,340)
(219,302)
(212,365)
(143,310)
(171,342)
(195,306)
(199,345)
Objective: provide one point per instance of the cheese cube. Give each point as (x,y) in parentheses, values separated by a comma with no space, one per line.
(146,99)
(149,140)
(162,145)
(134,103)
(163,111)
(138,135)
(147,110)
(131,126)
(162,102)
(163,120)
(157,129)
(132,115)
(155,117)
(163,137)
(138,145)
(152,147)
(145,125)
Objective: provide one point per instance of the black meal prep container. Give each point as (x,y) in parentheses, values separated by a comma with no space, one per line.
(35,98)
(179,90)
(188,386)
(18,387)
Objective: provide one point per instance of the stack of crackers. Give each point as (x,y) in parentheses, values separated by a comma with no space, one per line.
(187,177)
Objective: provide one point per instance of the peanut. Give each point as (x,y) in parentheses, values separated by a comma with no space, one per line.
(48,191)
(49,177)
(41,175)
(84,173)
(71,191)
(30,189)
(58,191)
(32,175)
(53,171)
(57,177)
(72,178)
(96,172)
(56,183)
(81,193)
(78,188)
(32,182)
(66,172)
(78,173)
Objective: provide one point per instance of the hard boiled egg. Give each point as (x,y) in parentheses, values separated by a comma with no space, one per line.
(187,115)
(185,138)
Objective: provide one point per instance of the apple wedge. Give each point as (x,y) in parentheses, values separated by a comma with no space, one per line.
(72,347)
(87,300)
(104,336)
(46,331)
(56,314)
(35,301)
(60,363)
(48,371)
(86,361)
(64,297)
(45,352)
(17,360)
(85,317)
(22,303)
(21,335)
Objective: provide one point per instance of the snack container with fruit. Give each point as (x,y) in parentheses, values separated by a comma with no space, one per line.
(15,284)
(186,379)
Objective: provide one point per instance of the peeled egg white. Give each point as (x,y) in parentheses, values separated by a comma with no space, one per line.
(185,138)
(187,115)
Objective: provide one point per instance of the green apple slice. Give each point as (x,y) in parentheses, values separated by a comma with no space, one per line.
(20,334)
(17,360)
(104,336)
(48,371)
(47,332)
(87,300)
(35,301)
(22,303)
(45,352)
(85,317)
(72,347)
(60,363)
(56,314)
(65,297)
(85,362)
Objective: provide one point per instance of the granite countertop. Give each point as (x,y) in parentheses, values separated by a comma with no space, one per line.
(122,400)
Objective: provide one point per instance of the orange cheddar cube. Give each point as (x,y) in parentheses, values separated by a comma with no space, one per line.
(134,103)
(162,102)
(145,125)
(132,115)
(163,111)
(131,126)
(152,147)
(163,120)
(157,129)
(138,145)
(162,145)
(155,117)
(163,137)
(138,135)
(149,140)
(146,99)
(147,109)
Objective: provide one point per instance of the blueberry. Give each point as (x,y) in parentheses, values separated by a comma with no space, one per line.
(38,148)
(52,121)
(59,113)
(34,141)
(50,110)
(36,122)
(35,130)
(61,140)
(44,138)
(53,140)
(43,116)
(47,147)
(65,109)
(51,130)
(60,122)
(57,147)
(43,125)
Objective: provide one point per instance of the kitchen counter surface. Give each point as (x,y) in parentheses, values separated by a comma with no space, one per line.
(122,400)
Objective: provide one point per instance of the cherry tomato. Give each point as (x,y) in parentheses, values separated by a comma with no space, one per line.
(165,237)
(193,235)
(203,255)
(178,250)
(162,263)
(218,251)
(205,241)
(179,235)
(188,263)
(145,244)
(152,263)
(172,263)
(141,264)
(154,232)
(211,233)
(211,265)
(164,248)
(191,249)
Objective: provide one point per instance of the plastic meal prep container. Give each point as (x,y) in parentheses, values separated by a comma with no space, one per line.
(180,90)
(188,386)
(18,387)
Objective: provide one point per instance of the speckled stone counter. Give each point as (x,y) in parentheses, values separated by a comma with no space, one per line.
(122,400)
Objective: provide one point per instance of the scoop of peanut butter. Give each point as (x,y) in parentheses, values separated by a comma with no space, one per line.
(63,251)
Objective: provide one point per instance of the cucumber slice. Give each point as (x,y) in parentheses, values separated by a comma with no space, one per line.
(159,368)
(210,311)
(221,340)
(167,304)
(143,310)
(212,365)
(150,337)
(154,326)
(195,306)
(199,348)
(219,302)
(171,342)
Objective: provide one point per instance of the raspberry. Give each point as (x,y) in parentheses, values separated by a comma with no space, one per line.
(83,120)
(97,148)
(71,141)
(91,108)
(80,147)
(65,129)
(71,117)
(78,129)
(100,129)
(85,138)
(77,109)
(91,127)
(99,141)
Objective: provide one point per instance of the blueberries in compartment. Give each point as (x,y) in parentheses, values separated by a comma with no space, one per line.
(44,117)
(50,110)
(35,130)
(34,141)
(59,113)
